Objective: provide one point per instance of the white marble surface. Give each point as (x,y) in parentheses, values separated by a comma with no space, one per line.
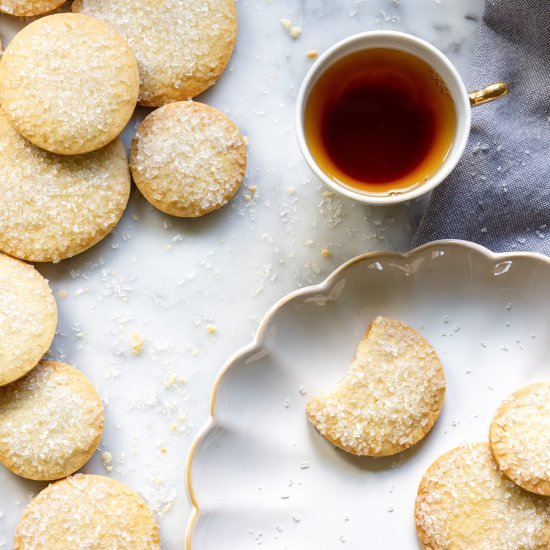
(168,278)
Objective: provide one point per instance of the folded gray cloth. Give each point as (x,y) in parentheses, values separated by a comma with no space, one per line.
(499,194)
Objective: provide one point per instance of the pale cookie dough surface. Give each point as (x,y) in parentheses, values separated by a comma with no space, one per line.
(52,206)
(520,438)
(188,159)
(68,83)
(28,317)
(182,46)
(51,421)
(87,511)
(29,8)
(464,502)
(390,397)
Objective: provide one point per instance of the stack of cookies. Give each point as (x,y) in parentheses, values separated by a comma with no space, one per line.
(496,495)
(69,85)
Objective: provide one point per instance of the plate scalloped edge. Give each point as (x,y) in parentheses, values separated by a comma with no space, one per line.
(320,288)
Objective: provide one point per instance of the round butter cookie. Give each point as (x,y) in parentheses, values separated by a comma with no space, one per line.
(68,83)
(182,46)
(465,502)
(87,511)
(390,397)
(28,317)
(55,206)
(188,159)
(51,421)
(29,8)
(520,438)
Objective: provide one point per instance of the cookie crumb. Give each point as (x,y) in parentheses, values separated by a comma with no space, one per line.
(212,329)
(295,32)
(312,54)
(137,343)
(287,24)
(326,253)
(107,457)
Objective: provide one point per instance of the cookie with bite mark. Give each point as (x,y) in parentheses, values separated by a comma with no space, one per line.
(389,398)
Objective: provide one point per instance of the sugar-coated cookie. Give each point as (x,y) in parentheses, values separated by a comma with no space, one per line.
(28,317)
(390,397)
(51,422)
(182,46)
(520,438)
(188,159)
(29,8)
(87,512)
(464,502)
(68,83)
(55,206)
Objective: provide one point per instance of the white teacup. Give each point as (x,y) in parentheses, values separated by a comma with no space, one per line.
(463,101)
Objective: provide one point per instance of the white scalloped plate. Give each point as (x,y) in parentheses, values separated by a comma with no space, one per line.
(260,476)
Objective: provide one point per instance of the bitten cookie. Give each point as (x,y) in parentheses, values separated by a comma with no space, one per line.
(389,398)
(68,83)
(465,502)
(51,422)
(188,159)
(29,8)
(53,207)
(87,511)
(182,46)
(520,438)
(28,317)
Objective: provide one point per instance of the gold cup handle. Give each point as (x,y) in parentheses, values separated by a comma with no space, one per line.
(490,93)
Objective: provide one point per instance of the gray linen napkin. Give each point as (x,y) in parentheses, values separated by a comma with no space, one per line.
(499,194)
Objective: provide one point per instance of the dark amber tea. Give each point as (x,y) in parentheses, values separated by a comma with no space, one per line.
(380,120)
